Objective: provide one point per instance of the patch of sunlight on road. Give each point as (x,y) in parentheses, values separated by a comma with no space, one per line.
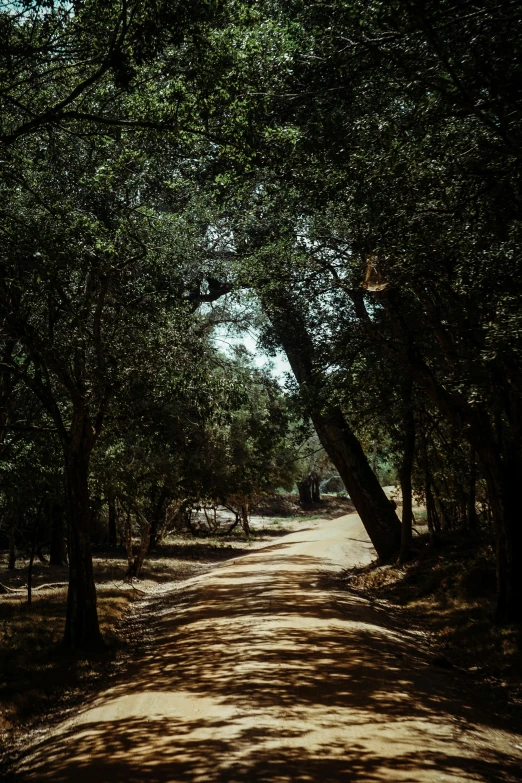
(157,704)
(259,672)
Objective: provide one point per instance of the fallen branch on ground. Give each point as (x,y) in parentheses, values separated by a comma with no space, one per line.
(6,589)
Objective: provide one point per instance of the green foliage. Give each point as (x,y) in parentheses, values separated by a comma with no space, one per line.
(354,165)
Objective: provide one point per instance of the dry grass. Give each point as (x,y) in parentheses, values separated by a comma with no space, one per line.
(35,676)
(37,679)
(450,593)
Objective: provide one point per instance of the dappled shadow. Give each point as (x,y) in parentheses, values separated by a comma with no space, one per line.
(263,531)
(184,750)
(257,672)
(168,562)
(198,550)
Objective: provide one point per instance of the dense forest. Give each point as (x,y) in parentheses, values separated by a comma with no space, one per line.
(342,179)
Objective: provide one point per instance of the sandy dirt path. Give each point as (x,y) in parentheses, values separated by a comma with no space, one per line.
(259,671)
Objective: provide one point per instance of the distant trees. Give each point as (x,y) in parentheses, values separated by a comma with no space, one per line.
(256,456)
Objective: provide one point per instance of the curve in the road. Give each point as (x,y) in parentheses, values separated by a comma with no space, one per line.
(260,671)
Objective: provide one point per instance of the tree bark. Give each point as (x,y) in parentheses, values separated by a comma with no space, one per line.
(244,518)
(471,500)
(431,513)
(82,630)
(305,494)
(234,524)
(501,464)
(128,539)
(158,512)
(337,438)
(503,472)
(372,505)
(134,569)
(36,533)
(406,468)
(316,492)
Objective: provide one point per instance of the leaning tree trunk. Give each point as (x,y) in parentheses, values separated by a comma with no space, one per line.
(377,514)
(406,468)
(82,630)
(336,436)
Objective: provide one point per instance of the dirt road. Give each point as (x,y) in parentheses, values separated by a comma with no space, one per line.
(260,672)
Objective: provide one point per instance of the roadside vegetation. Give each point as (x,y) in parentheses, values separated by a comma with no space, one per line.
(38,680)
(341,181)
(449,594)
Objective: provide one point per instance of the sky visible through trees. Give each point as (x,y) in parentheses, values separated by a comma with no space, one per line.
(334,185)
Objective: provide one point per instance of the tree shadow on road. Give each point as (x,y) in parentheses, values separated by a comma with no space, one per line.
(123,753)
(258,673)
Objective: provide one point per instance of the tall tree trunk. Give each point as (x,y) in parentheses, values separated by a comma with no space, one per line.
(503,474)
(316,492)
(34,545)
(244,518)
(337,438)
(442,518)
(134,569)
(406,468)
(158,515)
(471,500)
(305,494)
(128,539)
(431,514)
(82,630)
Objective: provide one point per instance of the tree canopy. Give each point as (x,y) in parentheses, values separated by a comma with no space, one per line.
(351,170)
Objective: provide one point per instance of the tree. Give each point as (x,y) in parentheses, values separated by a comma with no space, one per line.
(396,130)
(82,287)
(256,457)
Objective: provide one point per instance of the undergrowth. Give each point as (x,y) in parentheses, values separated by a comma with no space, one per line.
(34,674)
(449,591)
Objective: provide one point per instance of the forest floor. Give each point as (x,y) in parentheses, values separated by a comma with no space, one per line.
(272,667)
